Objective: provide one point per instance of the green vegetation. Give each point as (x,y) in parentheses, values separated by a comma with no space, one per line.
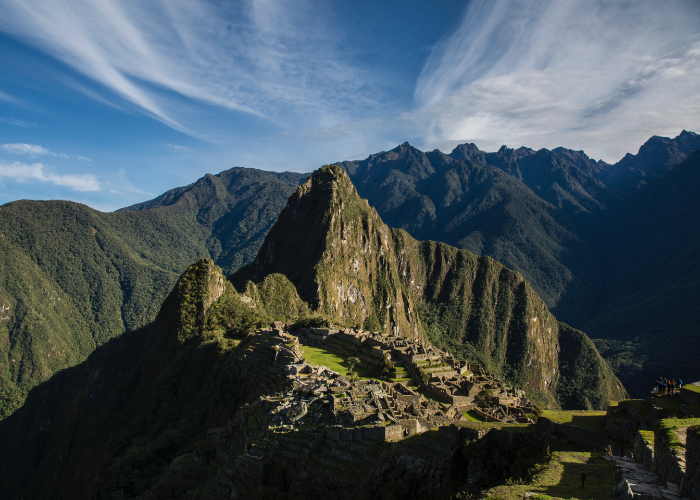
(384,367)
(72,277)
(667,428)
(586,380)
(324,357)
(560,477)
(648,436)
(422,374)
(142,397)
(592,420)
(352,361)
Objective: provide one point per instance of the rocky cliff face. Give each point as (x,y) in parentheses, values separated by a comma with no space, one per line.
(353,270)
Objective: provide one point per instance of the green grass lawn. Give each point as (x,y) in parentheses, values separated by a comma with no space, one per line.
(561,478)
(647,436)
(321,356)
(586,419)
(694,388)
(471,416)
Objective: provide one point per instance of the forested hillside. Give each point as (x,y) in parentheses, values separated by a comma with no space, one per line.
(72,277)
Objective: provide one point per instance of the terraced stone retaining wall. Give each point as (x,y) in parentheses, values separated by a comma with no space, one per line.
(690,397)
(644,450)
(669,460)
(572,433)
(691,486)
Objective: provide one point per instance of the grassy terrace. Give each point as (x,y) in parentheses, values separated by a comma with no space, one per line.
(321,356)
(647,436)
(591,420)
(560,477)
(669,426)
(694,388)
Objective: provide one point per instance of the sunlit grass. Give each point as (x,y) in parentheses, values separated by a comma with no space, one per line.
(331,360)
(561,478)
(591,420)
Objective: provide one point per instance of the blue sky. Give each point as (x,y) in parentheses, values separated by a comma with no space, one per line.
(112,102)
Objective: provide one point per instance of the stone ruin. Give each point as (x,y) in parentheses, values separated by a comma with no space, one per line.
(464,386)
(328,429)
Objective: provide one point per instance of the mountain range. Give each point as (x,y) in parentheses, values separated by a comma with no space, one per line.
(609,248)
(112,425)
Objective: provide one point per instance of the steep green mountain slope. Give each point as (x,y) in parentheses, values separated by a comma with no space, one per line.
(480,208)
(649,326)
(71,277)
(355,271)
(232,210)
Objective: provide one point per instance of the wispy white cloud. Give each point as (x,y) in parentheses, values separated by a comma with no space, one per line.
(4,96)
(177,147)
(265,58)
(120,183)
(35,150)
(19,123)
(22,172)
(24,149)
(602,76)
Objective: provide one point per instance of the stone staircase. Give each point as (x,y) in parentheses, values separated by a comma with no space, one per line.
(640,482)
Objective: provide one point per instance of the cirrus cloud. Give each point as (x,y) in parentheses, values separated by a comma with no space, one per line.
(35,150)
(22,172)
(597,75)
(173,58)
(24,149)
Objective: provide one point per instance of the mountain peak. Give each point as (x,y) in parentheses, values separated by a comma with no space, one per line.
(337,252)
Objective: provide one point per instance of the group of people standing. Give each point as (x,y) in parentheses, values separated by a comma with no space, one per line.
(668,386)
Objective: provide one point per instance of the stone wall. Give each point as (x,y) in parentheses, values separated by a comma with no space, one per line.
(690,397)
(644,450)
(669,461)
(691,486)
(437,443)
(573,434)
(360,434)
